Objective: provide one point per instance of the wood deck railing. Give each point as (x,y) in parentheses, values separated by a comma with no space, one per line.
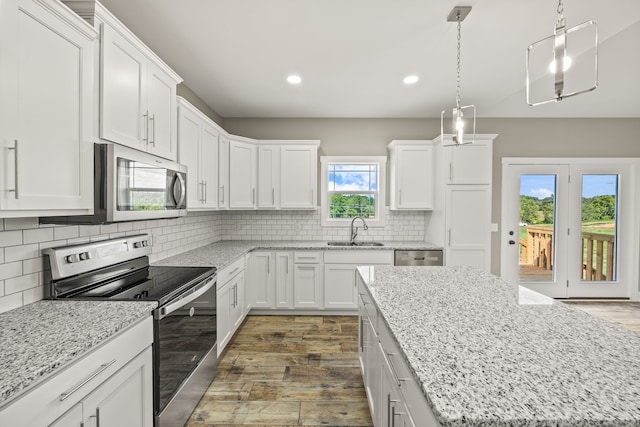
(598,252)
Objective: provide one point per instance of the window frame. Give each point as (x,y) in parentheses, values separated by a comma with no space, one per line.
(325,161)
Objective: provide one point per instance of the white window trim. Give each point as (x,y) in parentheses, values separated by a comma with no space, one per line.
(325,221)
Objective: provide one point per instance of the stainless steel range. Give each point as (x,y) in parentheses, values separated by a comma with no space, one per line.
(184,348)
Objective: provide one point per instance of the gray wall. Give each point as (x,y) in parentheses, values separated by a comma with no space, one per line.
(516,138)
(184,91)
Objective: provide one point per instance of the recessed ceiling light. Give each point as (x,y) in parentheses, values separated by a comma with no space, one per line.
(409,80)
(294,79)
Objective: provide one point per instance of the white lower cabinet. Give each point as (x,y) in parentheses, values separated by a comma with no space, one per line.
(284,279)
(340,291)
(230,301)
(260,283)
(307,279)
(111,386)
(395,397)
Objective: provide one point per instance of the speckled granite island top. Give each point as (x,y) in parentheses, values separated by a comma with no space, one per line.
(485,359)
(223,253)
(41,337)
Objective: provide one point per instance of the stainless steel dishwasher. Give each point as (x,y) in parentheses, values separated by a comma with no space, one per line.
(419,258)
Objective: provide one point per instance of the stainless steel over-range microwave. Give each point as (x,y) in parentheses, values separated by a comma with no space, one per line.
(131,185)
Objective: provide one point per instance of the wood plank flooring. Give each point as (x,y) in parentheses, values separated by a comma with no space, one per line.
(288,371)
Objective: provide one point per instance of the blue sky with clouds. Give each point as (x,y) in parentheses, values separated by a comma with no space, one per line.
(541,186)
(352,178)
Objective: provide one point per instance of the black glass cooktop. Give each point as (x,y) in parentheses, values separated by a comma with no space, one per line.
(150,284)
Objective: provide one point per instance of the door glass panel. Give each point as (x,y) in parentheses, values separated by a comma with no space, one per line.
(599,227)
(537,227)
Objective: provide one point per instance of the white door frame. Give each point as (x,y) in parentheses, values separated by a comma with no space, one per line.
(628,218)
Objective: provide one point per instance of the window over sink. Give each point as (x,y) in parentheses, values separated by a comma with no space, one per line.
(353,186)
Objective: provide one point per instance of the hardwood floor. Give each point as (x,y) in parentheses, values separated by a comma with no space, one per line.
(626,314)
(288,371)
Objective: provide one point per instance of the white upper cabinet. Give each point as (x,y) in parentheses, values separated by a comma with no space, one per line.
(287,174)
(268,177)
(469,164)
(198,150)
(137,89)
(412,175)
(299,175)
(46,110)
(223,172)
(242,174)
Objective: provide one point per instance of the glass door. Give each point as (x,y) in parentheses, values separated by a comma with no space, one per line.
(564,231)
(536,225)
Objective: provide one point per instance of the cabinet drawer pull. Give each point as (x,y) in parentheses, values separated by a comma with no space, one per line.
(15,170)
(399,380)
(101,369)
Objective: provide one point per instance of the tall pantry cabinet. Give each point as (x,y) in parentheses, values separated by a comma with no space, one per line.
(461,218)
(46,110)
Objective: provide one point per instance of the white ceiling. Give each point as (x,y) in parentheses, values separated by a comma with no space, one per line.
(353,54)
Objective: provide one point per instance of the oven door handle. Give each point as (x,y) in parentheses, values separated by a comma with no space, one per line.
(185,299)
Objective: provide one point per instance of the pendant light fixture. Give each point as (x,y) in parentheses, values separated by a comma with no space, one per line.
(458,124)
(564,64)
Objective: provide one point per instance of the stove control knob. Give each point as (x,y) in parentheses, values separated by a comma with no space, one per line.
(137,245)
(72,258)
(145,243)
(85,256)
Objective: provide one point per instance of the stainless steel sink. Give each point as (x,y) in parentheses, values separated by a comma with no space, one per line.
(355,244)
(340,244)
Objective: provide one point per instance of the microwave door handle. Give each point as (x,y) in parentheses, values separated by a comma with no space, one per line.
(179,190)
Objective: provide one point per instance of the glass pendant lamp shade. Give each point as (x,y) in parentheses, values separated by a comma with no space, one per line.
(564,64)
(458,124)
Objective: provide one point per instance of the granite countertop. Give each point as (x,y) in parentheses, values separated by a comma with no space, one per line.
(485,355)
(43,336)
(223,253)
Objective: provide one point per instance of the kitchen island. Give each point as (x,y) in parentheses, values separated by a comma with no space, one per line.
(484,353)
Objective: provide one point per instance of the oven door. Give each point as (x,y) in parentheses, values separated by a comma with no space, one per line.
(185,353)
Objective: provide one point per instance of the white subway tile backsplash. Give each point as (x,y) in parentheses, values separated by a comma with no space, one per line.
(10,269)
(10,238)
(21,283)
(20,223)
(19,253)
(61,233)
(37,235)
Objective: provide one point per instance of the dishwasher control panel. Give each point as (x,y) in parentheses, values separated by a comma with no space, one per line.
(431,257)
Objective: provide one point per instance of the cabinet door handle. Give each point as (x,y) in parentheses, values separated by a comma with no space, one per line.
(273,196)
(450,171)
(152,119)
(96,416)
(146,127)
(15,170)
(98,371)
(253,196)
(222,199)
(204,191)
(449,237)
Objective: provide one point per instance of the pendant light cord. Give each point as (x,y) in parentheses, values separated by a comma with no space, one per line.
(560,11)
(458,67)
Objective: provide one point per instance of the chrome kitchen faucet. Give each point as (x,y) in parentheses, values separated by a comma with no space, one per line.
(354,231)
